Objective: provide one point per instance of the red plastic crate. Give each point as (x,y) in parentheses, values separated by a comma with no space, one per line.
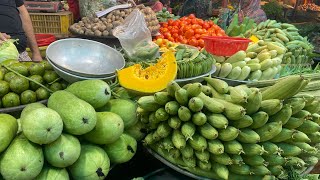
(45,39)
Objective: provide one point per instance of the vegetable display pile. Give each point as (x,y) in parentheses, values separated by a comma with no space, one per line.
(189,30)
(285,35)
(261,61)
(104,26)
(27,82)
(223,132)
(309,6)
(236,29)
(80,133)
(164,15)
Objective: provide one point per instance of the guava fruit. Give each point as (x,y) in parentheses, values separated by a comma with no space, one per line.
(28,96)
(53,173)
(137,131)
(9,62)
(42,125)
(92,164)
(64,84)
(126,109)
(46,65)
(20,68)
(22,160)
(10,100)
(8,76)
(55,87)
(36,78)
(19,84)
(27,63)
(4,88)
(122,150)
(1,75)
(96,92)
(42,93)
(78,116)
(50,76)
(3,70)
(8,130)
(108,129)
(36,69)
(31,107)
(63,152)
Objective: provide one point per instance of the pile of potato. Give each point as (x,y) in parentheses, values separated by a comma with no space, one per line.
(103,27)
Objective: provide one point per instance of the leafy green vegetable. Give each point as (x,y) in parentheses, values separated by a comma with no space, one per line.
(8,50)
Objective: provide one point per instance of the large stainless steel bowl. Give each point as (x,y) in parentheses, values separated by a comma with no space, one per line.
(84,57)
(71,78)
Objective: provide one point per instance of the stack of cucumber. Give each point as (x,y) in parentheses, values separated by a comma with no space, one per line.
(224,132)
(261,61)
(285,35)
(236,29)
(192,62)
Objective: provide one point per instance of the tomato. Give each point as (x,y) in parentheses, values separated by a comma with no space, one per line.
(193,42)
(189,33)
(174,30)
(196,26)
(201,43)
(192,16)
(171,39)
(167,35)
(175,35)
(175,24)
(199,31)
(160,36)
(197,36)
(164,24)
(200,22)
(170,22)
(206,26)
(194,21)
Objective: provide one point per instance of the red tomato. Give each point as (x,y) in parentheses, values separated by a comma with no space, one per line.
(192,16)
(193,42)
(200,21)
(170,22)
(171,39)
(175,35)
(197,36)
(174,30)
(206,26)
(167,35)
(189,33)
(184,41)
(164,24)
(199,31)
(201,43)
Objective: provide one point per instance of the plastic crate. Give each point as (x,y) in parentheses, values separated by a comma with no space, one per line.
(52,23)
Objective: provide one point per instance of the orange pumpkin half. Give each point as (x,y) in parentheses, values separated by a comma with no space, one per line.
(151,79)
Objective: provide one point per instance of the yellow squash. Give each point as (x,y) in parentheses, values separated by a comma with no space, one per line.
(151,79)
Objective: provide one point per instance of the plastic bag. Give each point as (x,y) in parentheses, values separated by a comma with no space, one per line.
(8,50)
(135,38)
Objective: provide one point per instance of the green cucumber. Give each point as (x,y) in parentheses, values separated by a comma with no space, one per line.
(254,101)
(187,152)
(194,89)
(288,149)
(294,123)
(181,97)
(271,148)
(271,106)
(219,85)
(172,107)
(178,139)
(174,122)
(274,160)
(228,134)
(244,122)
(297,104)
(248,136)
(283,115)
(260,170)
(161,114)
(217,120)
(162,97)
(224,159)
(172,87)
(221,170)
(148,103)
(269,131)
(195,104)
(309,127)
(208,132)
(215,146)
(184,113)
(240,169)
(285,134)
(203,156)
(199,118)
(253,160)
(259,119)
(299,136)
(210,104)
(253,149)
(233,147)
(198,143)
(188,129)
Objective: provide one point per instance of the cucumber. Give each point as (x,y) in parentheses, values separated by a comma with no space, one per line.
(156,137)
(218,120)
(194,89)
(210,104)
(148,103)
(308,98)
(187,152)
(219,85)
(148,140)
(260,170)
(316,118)
(285,134)
(271,106)
(240,169)
(253,61)
(297,104)
(233,147)
(188,129)
(254,67)
(271,148)
(283,115)
(203,156)
(215,147)
(181,97)
(244,122)
(161,114)
(206,90)
(190,162)
(162,97)
(314,137)
(164,130)
(172,107)
(184,113)
(225,70)
(248,136)
(274,160)
(218,68)
(310,161)
(167,143)
(303,114)
(153,119)
(309,127)
(269,131)
(174,122)
(295,161)
(254,101)
(232,111)
(199,118)
(195,104)
(221,170)
(299,136)
(288,149)
(266,64)
(223,159)
(228,134)
(208,132)
(253,149)
(235,73)
(245,71)
(238,95)
(237,159)
(294,123)
(239,56)
(178,139)
(253,160)
(206,166)
(304,147)
(198,143)
(174,153)
(259,119)
(276,170)
(255,75)
(251,55)
(186,86)
(172,87)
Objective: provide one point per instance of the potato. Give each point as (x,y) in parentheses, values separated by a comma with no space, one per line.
(102,28)
(121,20)
(105,33)
(109,26)
(116,23)
(113,18)
(97,33)
(122,14)
(117,18)
(89,32)
(109,16)
(88,26)
(103,19)
(94,28)
(109,20)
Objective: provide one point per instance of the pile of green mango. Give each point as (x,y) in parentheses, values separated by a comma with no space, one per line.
(27,82)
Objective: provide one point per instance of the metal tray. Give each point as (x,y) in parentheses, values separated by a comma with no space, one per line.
(19,108)
(195,79)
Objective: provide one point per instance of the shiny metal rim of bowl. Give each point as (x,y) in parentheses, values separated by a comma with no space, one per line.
(79,74)
(79,77)
(109,60)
